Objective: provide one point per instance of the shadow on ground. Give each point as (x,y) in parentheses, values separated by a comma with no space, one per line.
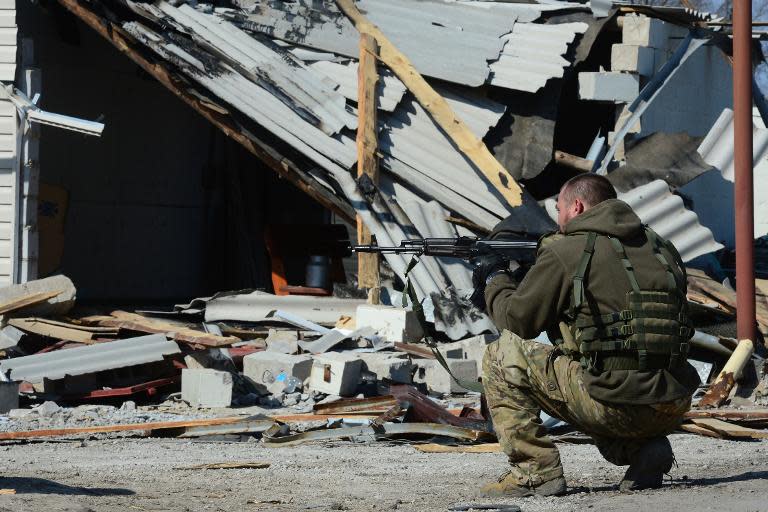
(31,485)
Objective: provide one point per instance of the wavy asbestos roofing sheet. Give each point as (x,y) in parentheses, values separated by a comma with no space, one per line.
(717,147)
(91,359)
(389,90)
(444,40)
(270,67)
(665,213)
(533,54)
(418,152)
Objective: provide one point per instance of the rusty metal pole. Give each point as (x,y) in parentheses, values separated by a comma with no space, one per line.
(743,181)
(721,388)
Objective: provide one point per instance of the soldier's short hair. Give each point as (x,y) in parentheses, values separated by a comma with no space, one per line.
(592,189)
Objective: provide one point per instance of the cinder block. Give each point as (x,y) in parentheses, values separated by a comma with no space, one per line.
(607,86)
(644,31)
(270,370)
(634,58)
(335,373)
(389,366)
(394,324)
(431,373)
(472,349)
(206,388)
(286,342)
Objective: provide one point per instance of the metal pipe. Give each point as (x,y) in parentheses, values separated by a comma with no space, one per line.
(743,187)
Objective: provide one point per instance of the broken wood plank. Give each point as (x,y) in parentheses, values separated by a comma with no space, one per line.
(374,405)
(27,300)
(415,350)
(472,147)
(470,448)
(86,328)
(729,429)
(721,388)
(696,429)
(35,326)
(573,161)
(152,426)
(228,465)
(367,147)
(726,415)
(134,322)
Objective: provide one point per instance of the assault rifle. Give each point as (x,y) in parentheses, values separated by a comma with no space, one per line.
(464,247)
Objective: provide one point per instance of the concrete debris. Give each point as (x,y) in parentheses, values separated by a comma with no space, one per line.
(60,303)
(439,381)
(394,324)
(286,342)
(206,388)
(335,374)
(272,371)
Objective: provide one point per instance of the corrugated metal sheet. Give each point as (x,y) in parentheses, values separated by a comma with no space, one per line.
(91,359)
(533,54)
(389,90)
(298,87)
(717,147)
(413,144)
(435,35)
(665,213)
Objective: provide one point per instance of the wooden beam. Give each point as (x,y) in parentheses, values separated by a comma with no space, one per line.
(467,142)
(573,161)
(27,300)
(210,110)
(367,161)
(180,333)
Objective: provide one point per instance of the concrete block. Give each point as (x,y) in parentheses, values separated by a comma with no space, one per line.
(431,373)
(270,370)
(633,58)
(335,373)
(644,31)
(394,324)
(9,396)
(285,342)
(206,388)
(472,349)
(607,86)
(393,367)
(624,115)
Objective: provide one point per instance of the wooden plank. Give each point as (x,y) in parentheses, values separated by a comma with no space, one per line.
(134,322)
(367,147)
(86,328)
(470,448)
(27,300)
(34,326)
(158,425)
(695,429)
(228,465)
(729,429)
(468,143)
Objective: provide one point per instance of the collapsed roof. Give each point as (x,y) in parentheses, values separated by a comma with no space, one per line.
(281,78)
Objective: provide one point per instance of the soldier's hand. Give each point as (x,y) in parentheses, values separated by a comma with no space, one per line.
(485,264)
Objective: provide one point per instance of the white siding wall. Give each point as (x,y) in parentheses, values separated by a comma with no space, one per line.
(8,141)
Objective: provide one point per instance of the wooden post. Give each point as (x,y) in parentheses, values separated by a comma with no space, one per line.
(468,143)
(367,160)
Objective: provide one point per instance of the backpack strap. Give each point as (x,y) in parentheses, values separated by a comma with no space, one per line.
(581,270)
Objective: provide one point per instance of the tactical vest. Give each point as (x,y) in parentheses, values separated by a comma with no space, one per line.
(653,329)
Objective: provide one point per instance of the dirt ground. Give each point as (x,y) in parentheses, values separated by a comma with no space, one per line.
(125,474)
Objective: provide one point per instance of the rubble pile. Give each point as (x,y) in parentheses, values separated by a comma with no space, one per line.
(302,369)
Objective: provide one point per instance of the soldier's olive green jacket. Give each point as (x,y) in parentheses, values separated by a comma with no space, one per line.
(544,296)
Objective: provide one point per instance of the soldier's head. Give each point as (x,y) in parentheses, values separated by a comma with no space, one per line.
(581,193)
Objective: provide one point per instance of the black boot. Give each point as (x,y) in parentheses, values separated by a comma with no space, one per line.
(650,463)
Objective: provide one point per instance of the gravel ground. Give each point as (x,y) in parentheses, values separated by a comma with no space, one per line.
(142,474)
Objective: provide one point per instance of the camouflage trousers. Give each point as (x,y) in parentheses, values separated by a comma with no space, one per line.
(522,377)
